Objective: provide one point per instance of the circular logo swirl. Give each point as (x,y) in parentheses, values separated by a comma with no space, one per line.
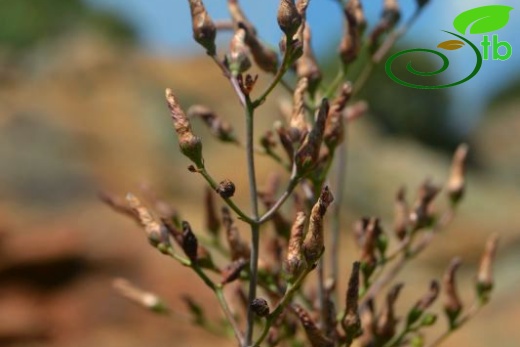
(445,64)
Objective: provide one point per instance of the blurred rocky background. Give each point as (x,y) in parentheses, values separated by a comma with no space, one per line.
(82,111)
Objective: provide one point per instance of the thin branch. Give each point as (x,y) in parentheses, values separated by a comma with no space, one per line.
(255,228)
(213,184)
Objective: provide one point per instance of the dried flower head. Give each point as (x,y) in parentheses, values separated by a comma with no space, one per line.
(295,261)
(139,296)
(334,128)
(352,321)
(313,245)
(485,271)
(233,270)
(226,189)
(452,303)
(238,58)
(190,145)
(456,182)
(288,17)
(298,126)
(307,66)
(307,155)
(260,307)
(350,44)
(314,334)
(264,57)
(220,128)
(189,242)
(387,320)
(389,18)
(156,233)
(204,30)
(421,214)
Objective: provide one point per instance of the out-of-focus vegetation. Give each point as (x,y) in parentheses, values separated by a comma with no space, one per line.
(24,23)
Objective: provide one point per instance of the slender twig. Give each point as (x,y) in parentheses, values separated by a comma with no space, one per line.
(286,63)
(472,312)
(255,237)
(213,184)
(219,291)
(216,288)
(293,182)
(336,212)
(291,290)
(231,79)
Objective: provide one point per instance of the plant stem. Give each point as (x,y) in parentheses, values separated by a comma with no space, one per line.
(279,74)
(336,213)
(290,187)
(291,290)
(213,184)
(255,227)
(474,309)
(219,291)
(232,80)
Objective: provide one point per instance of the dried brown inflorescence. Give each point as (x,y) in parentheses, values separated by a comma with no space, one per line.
(313,245)
(277,263)
(456,183)
(295,260)
(190,145)
(204,30)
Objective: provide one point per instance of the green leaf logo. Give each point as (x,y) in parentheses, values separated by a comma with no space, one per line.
(483,19)
(451,45)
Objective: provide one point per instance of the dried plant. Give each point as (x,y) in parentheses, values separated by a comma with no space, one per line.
(313,139)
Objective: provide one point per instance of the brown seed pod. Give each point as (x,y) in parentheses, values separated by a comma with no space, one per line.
(452,303)
(288,17)
(295,260)
(387,320)
(226,189)
(118,204)
(204,30)
(306,65)
(456,182)
(189,242)
(314,334)
(352,321)
(485,271)
(232,271)
(313,245)
(155,232)
(220,128)
(190,145)
(238,58)
(334,128)
(350,45)
(260,307)
(298,126)
(307,155)
(421,214)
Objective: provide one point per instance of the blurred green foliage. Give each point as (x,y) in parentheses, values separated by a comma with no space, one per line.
(24,23)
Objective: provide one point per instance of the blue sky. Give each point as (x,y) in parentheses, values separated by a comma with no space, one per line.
(164,28)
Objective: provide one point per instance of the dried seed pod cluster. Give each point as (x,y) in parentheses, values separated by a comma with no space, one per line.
(278,261)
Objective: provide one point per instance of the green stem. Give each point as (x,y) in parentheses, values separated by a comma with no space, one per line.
(213,184)
(286,63)
(255,227)
(291,290)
